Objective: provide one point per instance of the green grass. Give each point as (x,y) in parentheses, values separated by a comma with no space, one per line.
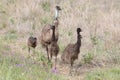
(4,47)
(2,26)
(100,35)
(88,57)
(69,33)
(46,6)
(16,68)
(62,47)
(110,74)
(46,20)
(10,36)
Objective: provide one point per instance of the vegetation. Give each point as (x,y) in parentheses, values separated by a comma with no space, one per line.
(100,24)
(14,68)
(108,74)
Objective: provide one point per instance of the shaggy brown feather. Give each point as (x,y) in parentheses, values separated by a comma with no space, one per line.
(71,52)
(53,48)
(46,35)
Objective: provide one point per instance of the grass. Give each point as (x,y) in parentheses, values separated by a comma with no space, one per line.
(107,74)
(10,36)
(13,68)
(2,26)
(99,21)
(88,57)
(46,6)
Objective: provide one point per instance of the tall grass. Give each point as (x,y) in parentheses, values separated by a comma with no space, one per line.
(110,74)
(18,68)
(99,20)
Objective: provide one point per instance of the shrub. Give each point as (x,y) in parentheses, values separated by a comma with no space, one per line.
(88,57)
(46,6)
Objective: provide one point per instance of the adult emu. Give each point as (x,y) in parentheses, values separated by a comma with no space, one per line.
(46,34)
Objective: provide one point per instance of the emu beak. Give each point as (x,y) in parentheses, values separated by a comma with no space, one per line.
(80,36)
(58,8)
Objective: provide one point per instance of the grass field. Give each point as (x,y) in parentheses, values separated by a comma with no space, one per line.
(100,50)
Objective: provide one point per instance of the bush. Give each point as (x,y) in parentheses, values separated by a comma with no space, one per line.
(46,6)
(88,57)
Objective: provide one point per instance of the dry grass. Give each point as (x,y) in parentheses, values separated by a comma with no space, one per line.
(99,20)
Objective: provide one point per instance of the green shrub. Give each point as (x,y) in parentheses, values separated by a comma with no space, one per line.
(12,20)
(88,57)
(94,40)
(69,33)
(46,6)
(3,25)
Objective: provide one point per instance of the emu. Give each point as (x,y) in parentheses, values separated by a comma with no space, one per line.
(32,42)
(71,52)
(46,34)
(53,48)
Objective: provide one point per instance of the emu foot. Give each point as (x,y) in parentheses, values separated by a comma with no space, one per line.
(54,70)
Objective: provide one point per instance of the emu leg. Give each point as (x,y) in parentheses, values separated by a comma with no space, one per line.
(29,49)
(54,69)
(47,54)
(71,67)
(55,62)
(29,52)
(51,59)
(33,51)
(50,56)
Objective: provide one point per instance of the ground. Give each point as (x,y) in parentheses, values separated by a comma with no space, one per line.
(99,57)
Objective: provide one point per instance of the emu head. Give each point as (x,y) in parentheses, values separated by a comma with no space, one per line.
(78,32)
(35,38)
(58,8)
(57,11)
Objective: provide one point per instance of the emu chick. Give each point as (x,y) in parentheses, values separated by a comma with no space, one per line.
(53,48)
(71,52)
(32,42)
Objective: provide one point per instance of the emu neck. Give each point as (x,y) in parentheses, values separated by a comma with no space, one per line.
(53,34)
(56,23)
(56,26)
(56,13)
(78,41)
